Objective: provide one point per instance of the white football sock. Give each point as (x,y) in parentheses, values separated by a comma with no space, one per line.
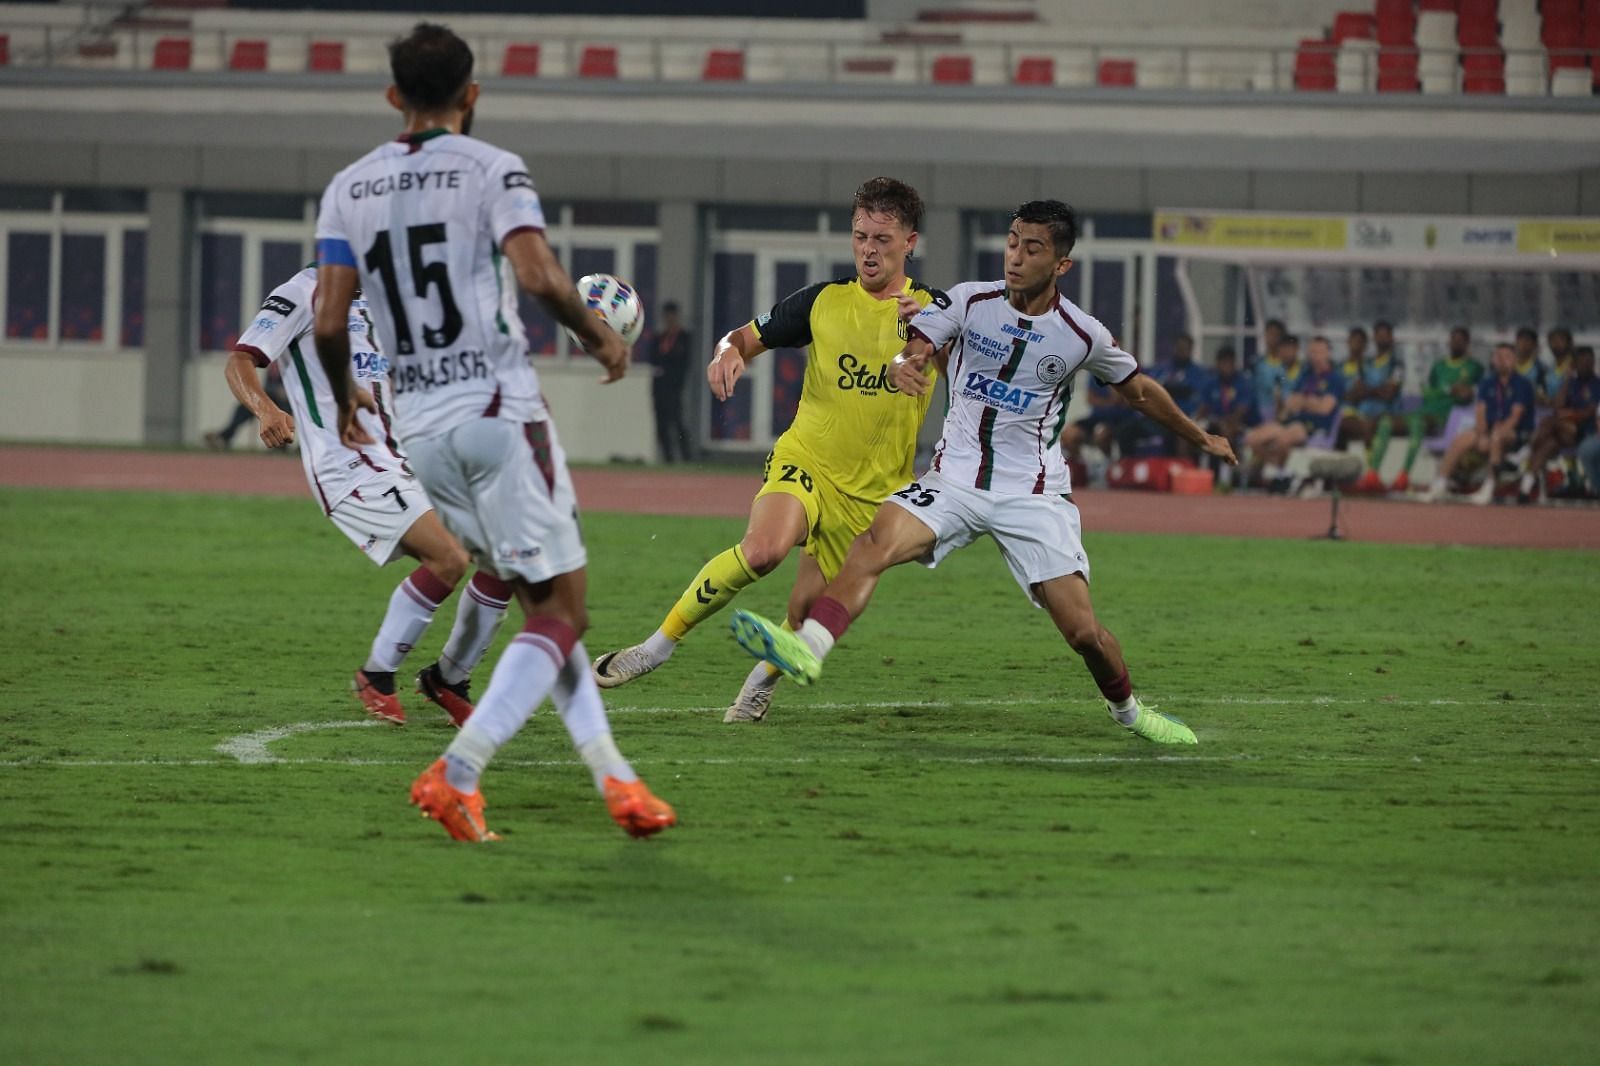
(577,699)
(658,647)
(523,677)
(765,675)
(1126,712)
(817,637)
(410,611)
(478,618)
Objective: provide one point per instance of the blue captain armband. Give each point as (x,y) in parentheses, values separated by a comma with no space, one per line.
(332,251)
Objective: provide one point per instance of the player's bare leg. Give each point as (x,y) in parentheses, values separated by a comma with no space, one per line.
(546,658)
(777,525)
(1067,600)
(755,696)
(411,609)
(895,537)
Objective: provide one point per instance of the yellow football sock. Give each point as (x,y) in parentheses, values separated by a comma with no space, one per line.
(716,583)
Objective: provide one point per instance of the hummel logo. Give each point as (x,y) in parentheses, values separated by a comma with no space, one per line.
(705,592)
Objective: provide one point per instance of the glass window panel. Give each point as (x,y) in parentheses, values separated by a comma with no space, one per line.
(280,261)
(846,269)
(992,266)
(732,286)
(788,364)
(81,314)
(1172,318)
(25,198)
(1110,284)
(644,280)
(593,261)
(133,268)
(28,286)
(114,201)
(790,219)
(252,205)
(536,322)
(221,286)
(612,213)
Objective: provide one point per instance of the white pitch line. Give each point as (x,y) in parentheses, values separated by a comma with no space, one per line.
(252,747)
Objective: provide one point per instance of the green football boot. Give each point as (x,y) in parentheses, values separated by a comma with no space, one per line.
(1161,728)
(772,643)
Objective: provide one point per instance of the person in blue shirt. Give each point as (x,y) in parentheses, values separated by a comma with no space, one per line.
(1187,382)
(1228,404)
(1575,402)
(1372,401)
(1274,376)
(1310,409)
(1503,423)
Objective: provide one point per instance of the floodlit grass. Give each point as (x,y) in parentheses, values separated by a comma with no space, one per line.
(1385,849)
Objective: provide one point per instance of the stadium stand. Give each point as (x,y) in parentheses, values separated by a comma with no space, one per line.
(598,61)
(248,55)
(325,57)
(520,61)
(723,64)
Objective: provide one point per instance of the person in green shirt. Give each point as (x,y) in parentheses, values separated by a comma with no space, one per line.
(1452,381)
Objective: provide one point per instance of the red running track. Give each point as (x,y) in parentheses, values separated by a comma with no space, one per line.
(647,490)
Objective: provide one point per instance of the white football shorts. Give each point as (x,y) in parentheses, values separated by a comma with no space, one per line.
(1040,537)
(502,487)
(377,513)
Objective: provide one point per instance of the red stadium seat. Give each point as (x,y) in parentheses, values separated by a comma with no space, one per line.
(1397,70)
(248,55)
(1315,66)
(5,49)
(1483,83)
(326,57)
(1354,25)
(952,70)
(1117,73)
(521,61)
(868,65)
(1035,70)
(723,64)
(598,61)
(1437,5)
(1396,22)
(173,53)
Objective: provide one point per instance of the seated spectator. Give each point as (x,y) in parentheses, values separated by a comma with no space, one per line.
(1186,381)
(1228,405)
(1111,425)
(1372,405)
(1311,410)
(1272,334)
(1559,341)
(1274,376)
(1589,457)
(1452,382)
(1355,350)
(1530,367)
(1503,423)
(1576,400)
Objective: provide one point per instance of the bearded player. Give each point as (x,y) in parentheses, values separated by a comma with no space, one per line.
(852,442)
(997,470)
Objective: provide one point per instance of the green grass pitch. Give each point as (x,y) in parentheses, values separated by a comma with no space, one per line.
(1385,850)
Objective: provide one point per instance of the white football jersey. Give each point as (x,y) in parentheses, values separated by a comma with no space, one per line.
(422,220)
(1010,382)
(281,333)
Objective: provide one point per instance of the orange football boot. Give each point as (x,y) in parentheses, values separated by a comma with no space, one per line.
(635,809)
(460,813)
(452,698)
(379,704)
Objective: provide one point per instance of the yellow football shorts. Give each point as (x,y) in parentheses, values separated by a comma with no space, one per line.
(833,518)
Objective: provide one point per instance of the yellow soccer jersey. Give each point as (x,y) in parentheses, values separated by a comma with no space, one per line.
(860,430)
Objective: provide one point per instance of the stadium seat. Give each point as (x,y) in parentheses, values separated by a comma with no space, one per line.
(520,61)
(5,49)
(1397,70)
(1314,66)
(723,64)
(875,65)
(1438,5)
(1035,70)
(1485,84)
(1354,26)
(952,70)
(1117,73)
(326,57)
(598,61)
(173,53)
(248,55)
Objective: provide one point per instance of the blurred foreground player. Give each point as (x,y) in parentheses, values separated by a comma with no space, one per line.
(996,470)
(439,229)
(370,494)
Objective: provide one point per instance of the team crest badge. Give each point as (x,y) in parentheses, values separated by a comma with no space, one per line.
(1052,368)
(901,330)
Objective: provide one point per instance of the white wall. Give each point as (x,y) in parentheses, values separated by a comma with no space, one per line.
(1123,14)
(95,398)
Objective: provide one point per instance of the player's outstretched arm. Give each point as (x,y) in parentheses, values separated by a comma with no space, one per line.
(336,289)
(277,426)
(1149,398)
(541,275)
(733,353)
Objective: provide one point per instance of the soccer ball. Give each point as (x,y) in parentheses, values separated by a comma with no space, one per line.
(615,302)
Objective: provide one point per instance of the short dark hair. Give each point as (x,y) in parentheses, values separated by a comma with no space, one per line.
(1463,330)
(1528,332)
(1269,323)
(1288,338)
(1564,331)
(1357,329)
(1383,323)
(1583,349)
(886,196)
(1227,352)
(1320,337)
(670,307)
(431,66)
(1059,217)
